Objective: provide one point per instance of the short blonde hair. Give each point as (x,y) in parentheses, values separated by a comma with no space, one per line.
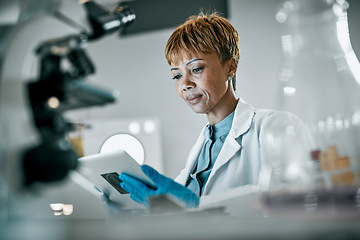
(205,33)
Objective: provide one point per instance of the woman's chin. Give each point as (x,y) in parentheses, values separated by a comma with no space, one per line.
(198,109)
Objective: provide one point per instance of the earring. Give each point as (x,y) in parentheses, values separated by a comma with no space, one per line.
(229,78)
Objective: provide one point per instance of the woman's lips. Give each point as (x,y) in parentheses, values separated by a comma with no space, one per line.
(193,98)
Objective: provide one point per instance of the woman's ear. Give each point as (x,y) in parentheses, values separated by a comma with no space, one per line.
(232,65)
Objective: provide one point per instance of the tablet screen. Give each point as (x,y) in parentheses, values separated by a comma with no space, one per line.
(103,171)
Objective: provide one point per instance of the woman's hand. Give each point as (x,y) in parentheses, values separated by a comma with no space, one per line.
(140,192)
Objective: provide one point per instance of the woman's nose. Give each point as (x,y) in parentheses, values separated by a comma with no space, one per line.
(187,84)
(185,88)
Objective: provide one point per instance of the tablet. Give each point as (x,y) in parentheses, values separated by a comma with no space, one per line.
(103,170)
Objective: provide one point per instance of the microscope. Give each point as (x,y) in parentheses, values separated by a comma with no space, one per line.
(60,86)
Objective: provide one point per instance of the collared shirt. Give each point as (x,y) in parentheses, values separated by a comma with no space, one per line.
(214,140)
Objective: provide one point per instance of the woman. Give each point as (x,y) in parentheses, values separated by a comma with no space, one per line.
(230,152)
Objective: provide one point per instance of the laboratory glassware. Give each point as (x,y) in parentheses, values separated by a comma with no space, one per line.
(315,157)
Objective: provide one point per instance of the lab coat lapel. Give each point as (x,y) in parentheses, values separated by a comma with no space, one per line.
(231,146)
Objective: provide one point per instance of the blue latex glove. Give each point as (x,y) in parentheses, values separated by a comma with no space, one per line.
(140,192)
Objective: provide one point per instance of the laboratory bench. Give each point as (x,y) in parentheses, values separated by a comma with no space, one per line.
(234,215)
(181,226)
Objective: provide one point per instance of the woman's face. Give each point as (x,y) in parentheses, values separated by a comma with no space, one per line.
(202,81)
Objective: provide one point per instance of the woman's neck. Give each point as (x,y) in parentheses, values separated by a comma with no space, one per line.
(225,106)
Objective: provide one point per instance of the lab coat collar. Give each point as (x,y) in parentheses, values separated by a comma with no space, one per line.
(242,120)
(243,117)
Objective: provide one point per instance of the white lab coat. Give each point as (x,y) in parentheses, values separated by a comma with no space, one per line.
(244,159)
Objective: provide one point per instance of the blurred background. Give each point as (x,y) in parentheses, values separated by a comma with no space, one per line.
(150,120)
(134,64)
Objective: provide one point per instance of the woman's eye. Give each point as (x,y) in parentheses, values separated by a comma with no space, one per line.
(197,70)
(176,77)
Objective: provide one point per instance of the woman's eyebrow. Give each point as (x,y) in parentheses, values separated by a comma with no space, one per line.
(189,62)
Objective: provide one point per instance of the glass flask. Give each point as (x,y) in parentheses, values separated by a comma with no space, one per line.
(315,165)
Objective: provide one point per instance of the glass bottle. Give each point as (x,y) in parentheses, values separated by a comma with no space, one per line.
(75,138)
(319,83)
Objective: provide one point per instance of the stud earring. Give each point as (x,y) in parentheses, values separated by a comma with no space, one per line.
(229,78)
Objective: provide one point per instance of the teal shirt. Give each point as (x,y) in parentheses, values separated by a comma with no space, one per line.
(215,138)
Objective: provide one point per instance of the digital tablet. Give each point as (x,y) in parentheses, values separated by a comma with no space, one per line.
(103,170)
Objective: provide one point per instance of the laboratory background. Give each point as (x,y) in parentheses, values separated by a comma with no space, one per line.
(146,117)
